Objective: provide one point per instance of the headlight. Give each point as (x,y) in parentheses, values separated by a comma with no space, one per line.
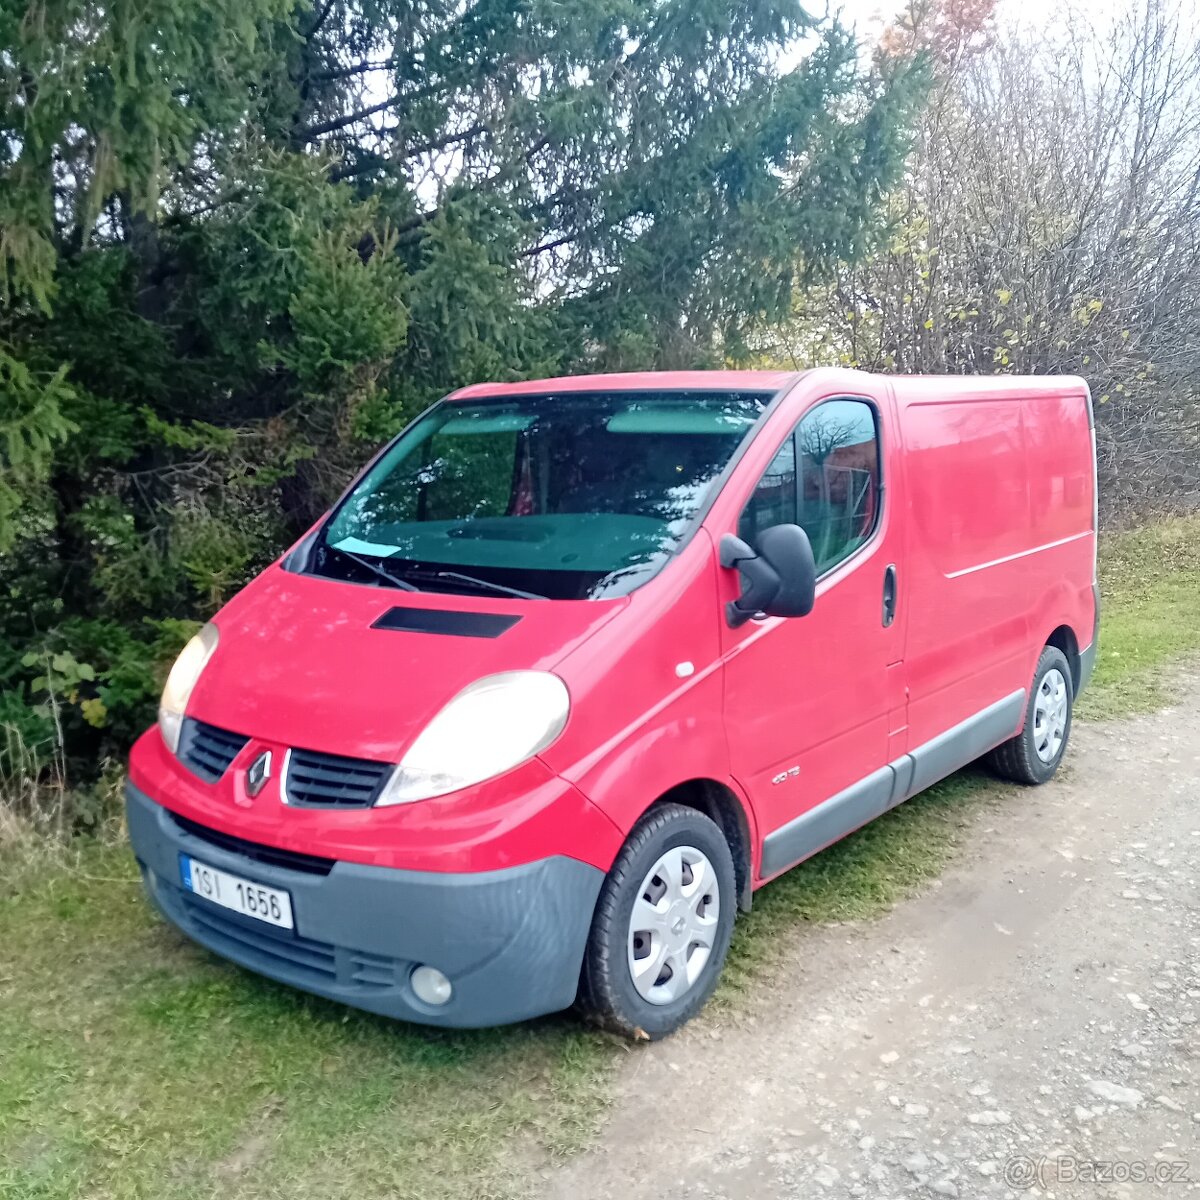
(488,728)
(191,661)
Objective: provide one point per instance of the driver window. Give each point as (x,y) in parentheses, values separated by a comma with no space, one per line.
(825,478)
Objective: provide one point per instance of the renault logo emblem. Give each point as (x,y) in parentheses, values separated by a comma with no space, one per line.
(258,773)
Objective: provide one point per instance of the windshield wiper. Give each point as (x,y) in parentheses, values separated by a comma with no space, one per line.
(376,569)
(486,584)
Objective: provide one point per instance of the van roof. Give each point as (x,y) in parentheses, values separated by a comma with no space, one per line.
(914,388)
(726,381)
(908,388)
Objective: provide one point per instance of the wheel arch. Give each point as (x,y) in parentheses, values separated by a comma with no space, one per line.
(721,804)
(1063,638)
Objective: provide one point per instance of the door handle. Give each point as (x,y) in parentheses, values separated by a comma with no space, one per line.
(889,594)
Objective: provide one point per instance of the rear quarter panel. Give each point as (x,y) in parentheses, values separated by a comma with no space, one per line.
(1001,541)
(1062,483)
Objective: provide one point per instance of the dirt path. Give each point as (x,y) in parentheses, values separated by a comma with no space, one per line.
(1033,1012)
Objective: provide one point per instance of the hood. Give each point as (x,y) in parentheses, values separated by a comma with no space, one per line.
(359,670)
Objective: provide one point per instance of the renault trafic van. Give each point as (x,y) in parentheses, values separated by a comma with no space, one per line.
(575,666)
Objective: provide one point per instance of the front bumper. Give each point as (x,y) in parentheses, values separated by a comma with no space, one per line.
(511,941)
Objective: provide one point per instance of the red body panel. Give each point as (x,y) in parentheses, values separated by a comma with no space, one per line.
(310,671)
(524,815)
(987,515)
(641,726)
(1001,545)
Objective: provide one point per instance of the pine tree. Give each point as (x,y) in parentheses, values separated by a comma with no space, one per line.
(242,241)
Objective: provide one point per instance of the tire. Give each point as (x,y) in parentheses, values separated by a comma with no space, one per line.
(608,991)
(1032,757)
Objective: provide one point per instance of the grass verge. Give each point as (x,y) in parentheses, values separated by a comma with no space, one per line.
(133,1064)
(1149,616)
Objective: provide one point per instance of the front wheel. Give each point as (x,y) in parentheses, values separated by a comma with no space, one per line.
(662,925)
(1034,754)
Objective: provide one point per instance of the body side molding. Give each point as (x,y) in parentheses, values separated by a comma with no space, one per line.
(874,794)
(960,744)
(826,823)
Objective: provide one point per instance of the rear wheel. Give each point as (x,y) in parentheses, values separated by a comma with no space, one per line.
(1034,754)
(662,925)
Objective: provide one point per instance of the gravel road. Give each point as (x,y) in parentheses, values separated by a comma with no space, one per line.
(1027,1026)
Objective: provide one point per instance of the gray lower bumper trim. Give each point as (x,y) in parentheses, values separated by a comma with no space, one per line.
(511,942)
(873,795)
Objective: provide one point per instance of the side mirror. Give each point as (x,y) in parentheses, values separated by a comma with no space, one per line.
(779,579)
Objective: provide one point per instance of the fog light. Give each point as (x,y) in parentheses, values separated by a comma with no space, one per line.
(431,986)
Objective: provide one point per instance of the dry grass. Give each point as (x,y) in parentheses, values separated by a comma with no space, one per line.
(34,798)
(42,816)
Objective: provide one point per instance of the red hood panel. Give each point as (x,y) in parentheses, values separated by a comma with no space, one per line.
(299,664)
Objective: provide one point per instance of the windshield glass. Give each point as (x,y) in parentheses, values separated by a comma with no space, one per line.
(561,496)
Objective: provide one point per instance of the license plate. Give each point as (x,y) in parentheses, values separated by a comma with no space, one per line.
(233,892)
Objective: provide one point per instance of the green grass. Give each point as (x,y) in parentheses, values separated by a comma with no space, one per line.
(133,1064)
(1149,616)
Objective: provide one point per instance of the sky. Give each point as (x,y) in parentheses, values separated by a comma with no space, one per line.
(869,16)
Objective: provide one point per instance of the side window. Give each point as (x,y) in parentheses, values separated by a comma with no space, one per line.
(774,500)
(826,478)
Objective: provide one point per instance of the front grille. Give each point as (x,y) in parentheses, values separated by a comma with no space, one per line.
(271,856)
(331,781)
(206,750)
(305,959)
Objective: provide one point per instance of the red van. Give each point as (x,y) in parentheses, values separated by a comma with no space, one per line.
(574,666)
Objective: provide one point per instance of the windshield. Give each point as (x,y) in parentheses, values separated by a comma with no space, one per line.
(560,496)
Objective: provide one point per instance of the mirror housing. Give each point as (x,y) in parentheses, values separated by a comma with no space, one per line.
(779,579)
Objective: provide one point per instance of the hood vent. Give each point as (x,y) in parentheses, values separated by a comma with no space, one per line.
(446,621)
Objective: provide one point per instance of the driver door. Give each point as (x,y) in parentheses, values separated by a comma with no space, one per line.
(815,705)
